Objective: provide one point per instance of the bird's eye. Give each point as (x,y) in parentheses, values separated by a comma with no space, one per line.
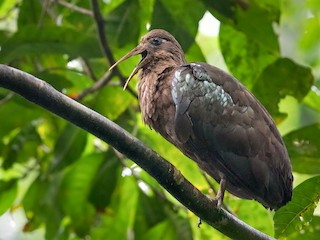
(156,41)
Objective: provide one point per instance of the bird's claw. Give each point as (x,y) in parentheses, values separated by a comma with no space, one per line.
(199,222)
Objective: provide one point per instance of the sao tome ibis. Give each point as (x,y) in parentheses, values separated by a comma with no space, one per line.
(213,119)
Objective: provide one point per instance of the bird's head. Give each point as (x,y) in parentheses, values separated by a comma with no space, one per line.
(155,46)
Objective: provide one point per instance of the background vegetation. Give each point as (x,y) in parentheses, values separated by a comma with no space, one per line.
(59,182)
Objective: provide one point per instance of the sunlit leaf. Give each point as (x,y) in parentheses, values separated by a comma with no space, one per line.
(282,77)
(304,149)
(69,147)
(253,213)
(245,58)
(168,14)
(49,40)
(162,231)
(40,204)
(265,36)
(112,101)
(298,213)
(125,25)
(120,215)
(8,193)
(22,146)
(105,181)
(75,189)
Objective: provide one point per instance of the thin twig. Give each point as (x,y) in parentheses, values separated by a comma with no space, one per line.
(6,98)
(75,8)
(96,86)
(105,45)
(87,68)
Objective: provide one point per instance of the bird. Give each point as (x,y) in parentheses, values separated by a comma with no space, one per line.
(213,119)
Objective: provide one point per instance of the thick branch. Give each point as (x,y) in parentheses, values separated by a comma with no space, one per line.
(43,94)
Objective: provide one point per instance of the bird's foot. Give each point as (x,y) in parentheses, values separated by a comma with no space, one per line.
(220,195)
(217,202)
(199,222)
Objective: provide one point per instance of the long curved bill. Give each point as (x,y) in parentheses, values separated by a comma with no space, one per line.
(133,52)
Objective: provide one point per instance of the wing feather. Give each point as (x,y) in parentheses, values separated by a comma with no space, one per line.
(225,129)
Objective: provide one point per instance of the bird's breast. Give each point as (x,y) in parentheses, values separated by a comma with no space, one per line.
(156,103)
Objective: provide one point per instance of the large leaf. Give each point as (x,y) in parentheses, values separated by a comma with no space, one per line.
(31,6)
(309,232)
(245,58)
(150,211)
(21,147)
(252,213)
(31,41)
(281,78)
(180,21)
(298,213)
(8,193)
(313,97)
(112,101)
(69,147)
(124,23)
(40,205)
(120,216)
(105,181)
(304,149)
(263,16)
(75,189)
(10,120)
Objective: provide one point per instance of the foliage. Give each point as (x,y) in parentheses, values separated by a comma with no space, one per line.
(73,186)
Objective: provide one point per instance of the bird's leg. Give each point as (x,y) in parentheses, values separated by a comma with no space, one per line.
(220,194)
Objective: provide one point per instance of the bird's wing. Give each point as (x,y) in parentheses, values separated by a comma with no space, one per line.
(224,126)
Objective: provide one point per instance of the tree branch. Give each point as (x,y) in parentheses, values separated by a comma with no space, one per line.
(43,94)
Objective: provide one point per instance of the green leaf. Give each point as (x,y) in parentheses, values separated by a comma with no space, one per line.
(112,101)
(58,81)
(298,213)
(125,24)
(5,7)
(8,193)
(304,149)
(121,214)
(266,17)
(74,192)
(313,97)
(27,7)
(32,40)
(195,54)
(151,210)
(105,181)
(281,78)
(169,14)
(175,227)
(242,53)
(252,213)
(309,41)
(162,231)
(221,9)
(310,231)
(10,120)
(69,147)
(40,204)
(22,146)
(187,166)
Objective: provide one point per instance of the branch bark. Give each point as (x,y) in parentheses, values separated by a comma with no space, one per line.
(43,94)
